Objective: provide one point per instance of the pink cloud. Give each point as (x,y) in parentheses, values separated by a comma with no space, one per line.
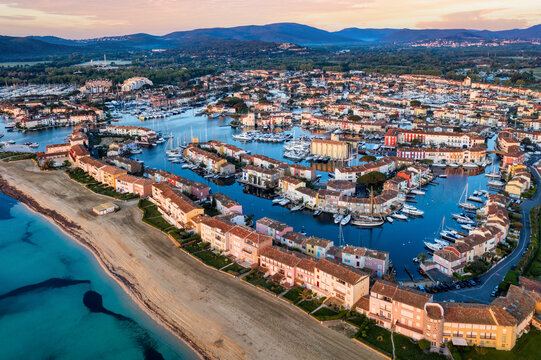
(476,19)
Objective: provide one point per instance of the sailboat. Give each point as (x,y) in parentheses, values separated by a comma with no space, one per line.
(492,174)
(369,221)
(463,202)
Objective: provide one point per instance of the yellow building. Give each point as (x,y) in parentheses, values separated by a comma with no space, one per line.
(108,175)
(480,325)
(334,149)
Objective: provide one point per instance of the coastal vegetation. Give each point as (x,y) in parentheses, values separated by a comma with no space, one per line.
(256,279)
(84,178)
(15,156)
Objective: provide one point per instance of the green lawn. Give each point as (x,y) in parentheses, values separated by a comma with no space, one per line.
(405,349)
(294,294)
(309,305)
(527,348)
(212,259)
(329,314)
(371,334)
(256,279)
(15,156)
(152,216)
(91,184)
(236,269)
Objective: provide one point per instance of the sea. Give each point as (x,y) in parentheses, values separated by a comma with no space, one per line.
(50,293)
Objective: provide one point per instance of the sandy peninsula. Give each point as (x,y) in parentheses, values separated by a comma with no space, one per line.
(219,316)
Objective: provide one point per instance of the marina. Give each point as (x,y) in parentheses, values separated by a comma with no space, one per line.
(397,238)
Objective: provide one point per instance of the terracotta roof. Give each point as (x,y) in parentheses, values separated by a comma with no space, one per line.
(401,294)
(281,256)
(469,313)
(340,272)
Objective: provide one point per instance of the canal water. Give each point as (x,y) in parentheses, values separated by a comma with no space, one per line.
(44,276)
(402,239)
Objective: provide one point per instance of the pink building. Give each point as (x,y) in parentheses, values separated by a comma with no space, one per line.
(245,244)
(280,264)
(273,228)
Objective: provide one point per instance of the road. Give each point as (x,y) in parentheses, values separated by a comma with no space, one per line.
(494,276)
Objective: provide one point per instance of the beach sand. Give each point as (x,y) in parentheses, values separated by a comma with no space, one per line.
(220,316)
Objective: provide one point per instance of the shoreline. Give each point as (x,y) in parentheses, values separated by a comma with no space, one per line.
(67,227)
(216,315)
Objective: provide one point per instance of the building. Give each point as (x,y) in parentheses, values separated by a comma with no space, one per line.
(214,231)
(273,228)
(105,208)
(245,244)
(175,207)
(134,185)
(374,261)
(260,177)
(337,150)
(226,205)
(280,264)
(346,285)
(135,83)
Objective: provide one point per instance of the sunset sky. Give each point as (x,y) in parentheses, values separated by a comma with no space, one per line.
(94,18)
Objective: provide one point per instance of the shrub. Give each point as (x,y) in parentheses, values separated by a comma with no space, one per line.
(424,344)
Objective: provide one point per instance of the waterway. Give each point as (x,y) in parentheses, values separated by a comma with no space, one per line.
(44,276)
(402,239)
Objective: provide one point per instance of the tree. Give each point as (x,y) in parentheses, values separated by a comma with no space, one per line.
(415,103)
(421,257)
(367,158)
(424,344)
(415,142)
(354,118)
(372,178)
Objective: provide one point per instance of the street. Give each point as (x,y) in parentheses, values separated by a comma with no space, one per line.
(495,275)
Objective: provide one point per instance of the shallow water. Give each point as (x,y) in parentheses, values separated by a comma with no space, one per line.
(44,276)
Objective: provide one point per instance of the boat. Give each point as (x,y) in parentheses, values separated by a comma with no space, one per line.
(475,198)
(495,183)
(338,218)
(439,164)
(367,221)
(432,246)
(443,176)
(454,165)
(186,166)
(399,216)
(463,203)
(297,208)
(245,137)
(345,220)
(136,151)
(277,200)
(411,210)
(470,166)
(317,212)
(468,227)
(284,202)
(34,145)
(389,219)
(160,141)
(417,192)
(441,242)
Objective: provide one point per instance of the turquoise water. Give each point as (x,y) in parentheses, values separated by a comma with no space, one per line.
(49,320)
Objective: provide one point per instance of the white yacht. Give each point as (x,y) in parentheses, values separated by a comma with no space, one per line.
(345,220)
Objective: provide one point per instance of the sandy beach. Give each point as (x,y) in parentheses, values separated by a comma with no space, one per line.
(220,316)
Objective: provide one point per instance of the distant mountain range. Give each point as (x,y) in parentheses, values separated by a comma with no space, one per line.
(276,33)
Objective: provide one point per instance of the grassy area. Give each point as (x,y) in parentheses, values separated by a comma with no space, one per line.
(294,294)
(532,259)
(195,247)
(406,349)
(526,348)
(15,156)
(326,313)
(212,259)
(309,305)
(82,177)
(376,337)
(152,216)
(256,279)
(236,269)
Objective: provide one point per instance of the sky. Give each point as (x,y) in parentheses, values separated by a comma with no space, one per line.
(81,19)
